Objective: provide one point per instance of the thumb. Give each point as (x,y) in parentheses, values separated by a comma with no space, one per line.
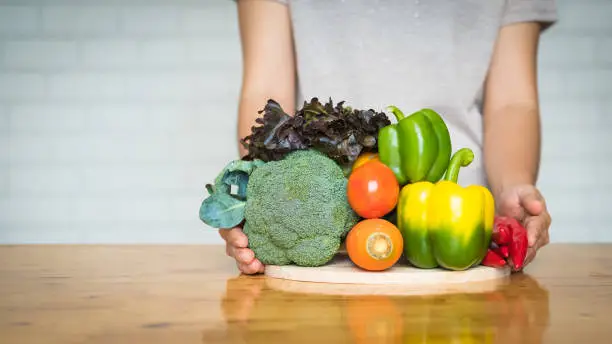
(531,200)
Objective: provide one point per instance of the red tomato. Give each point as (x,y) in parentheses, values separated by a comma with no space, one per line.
(372,190)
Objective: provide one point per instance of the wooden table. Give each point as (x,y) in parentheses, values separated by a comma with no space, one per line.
(193,294)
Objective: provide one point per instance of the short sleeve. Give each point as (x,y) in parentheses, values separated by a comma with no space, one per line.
(542,11)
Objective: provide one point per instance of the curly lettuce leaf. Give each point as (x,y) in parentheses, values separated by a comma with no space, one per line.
(340,132)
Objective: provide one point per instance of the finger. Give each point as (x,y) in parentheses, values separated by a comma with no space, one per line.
(543,240)
(546,239)
(531,253)
(536,226)
(532,225)
(532,201)
(234,237)
(252,268)
(224,232)
(243,255)
(238,238)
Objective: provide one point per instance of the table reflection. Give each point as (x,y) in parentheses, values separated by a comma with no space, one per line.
(255,312)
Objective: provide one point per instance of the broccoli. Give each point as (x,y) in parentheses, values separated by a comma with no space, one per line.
(296,210)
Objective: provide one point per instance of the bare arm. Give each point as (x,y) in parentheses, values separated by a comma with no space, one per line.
(268,61)
(268,72)
(511,110)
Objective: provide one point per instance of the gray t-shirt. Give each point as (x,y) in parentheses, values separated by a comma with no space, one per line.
(409,53)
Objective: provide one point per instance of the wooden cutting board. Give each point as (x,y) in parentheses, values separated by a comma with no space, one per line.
(401,278)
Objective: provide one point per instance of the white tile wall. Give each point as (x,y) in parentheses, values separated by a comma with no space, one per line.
(112,117)
(19,20)
(114,114)
(576,89)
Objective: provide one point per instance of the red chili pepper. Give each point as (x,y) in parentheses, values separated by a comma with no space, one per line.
(503,251)
(492,259)
(517,247)
(502,234)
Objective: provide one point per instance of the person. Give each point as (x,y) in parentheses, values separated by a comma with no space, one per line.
(474,62)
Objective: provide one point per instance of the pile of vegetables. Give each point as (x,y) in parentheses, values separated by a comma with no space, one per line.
(331,174)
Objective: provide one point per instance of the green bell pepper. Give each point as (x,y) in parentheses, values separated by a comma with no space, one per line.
(417,148)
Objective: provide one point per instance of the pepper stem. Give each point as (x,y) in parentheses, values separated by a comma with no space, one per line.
(399,115)
(461,158)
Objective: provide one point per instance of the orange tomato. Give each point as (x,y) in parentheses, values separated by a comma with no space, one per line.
(372,190)
(374,244)
(363,158)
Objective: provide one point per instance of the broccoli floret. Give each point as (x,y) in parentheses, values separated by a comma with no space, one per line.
(296,210)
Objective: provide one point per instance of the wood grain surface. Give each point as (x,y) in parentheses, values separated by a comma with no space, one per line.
(194,294)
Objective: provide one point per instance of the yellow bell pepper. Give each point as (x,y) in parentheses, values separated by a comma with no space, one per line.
(444,224)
